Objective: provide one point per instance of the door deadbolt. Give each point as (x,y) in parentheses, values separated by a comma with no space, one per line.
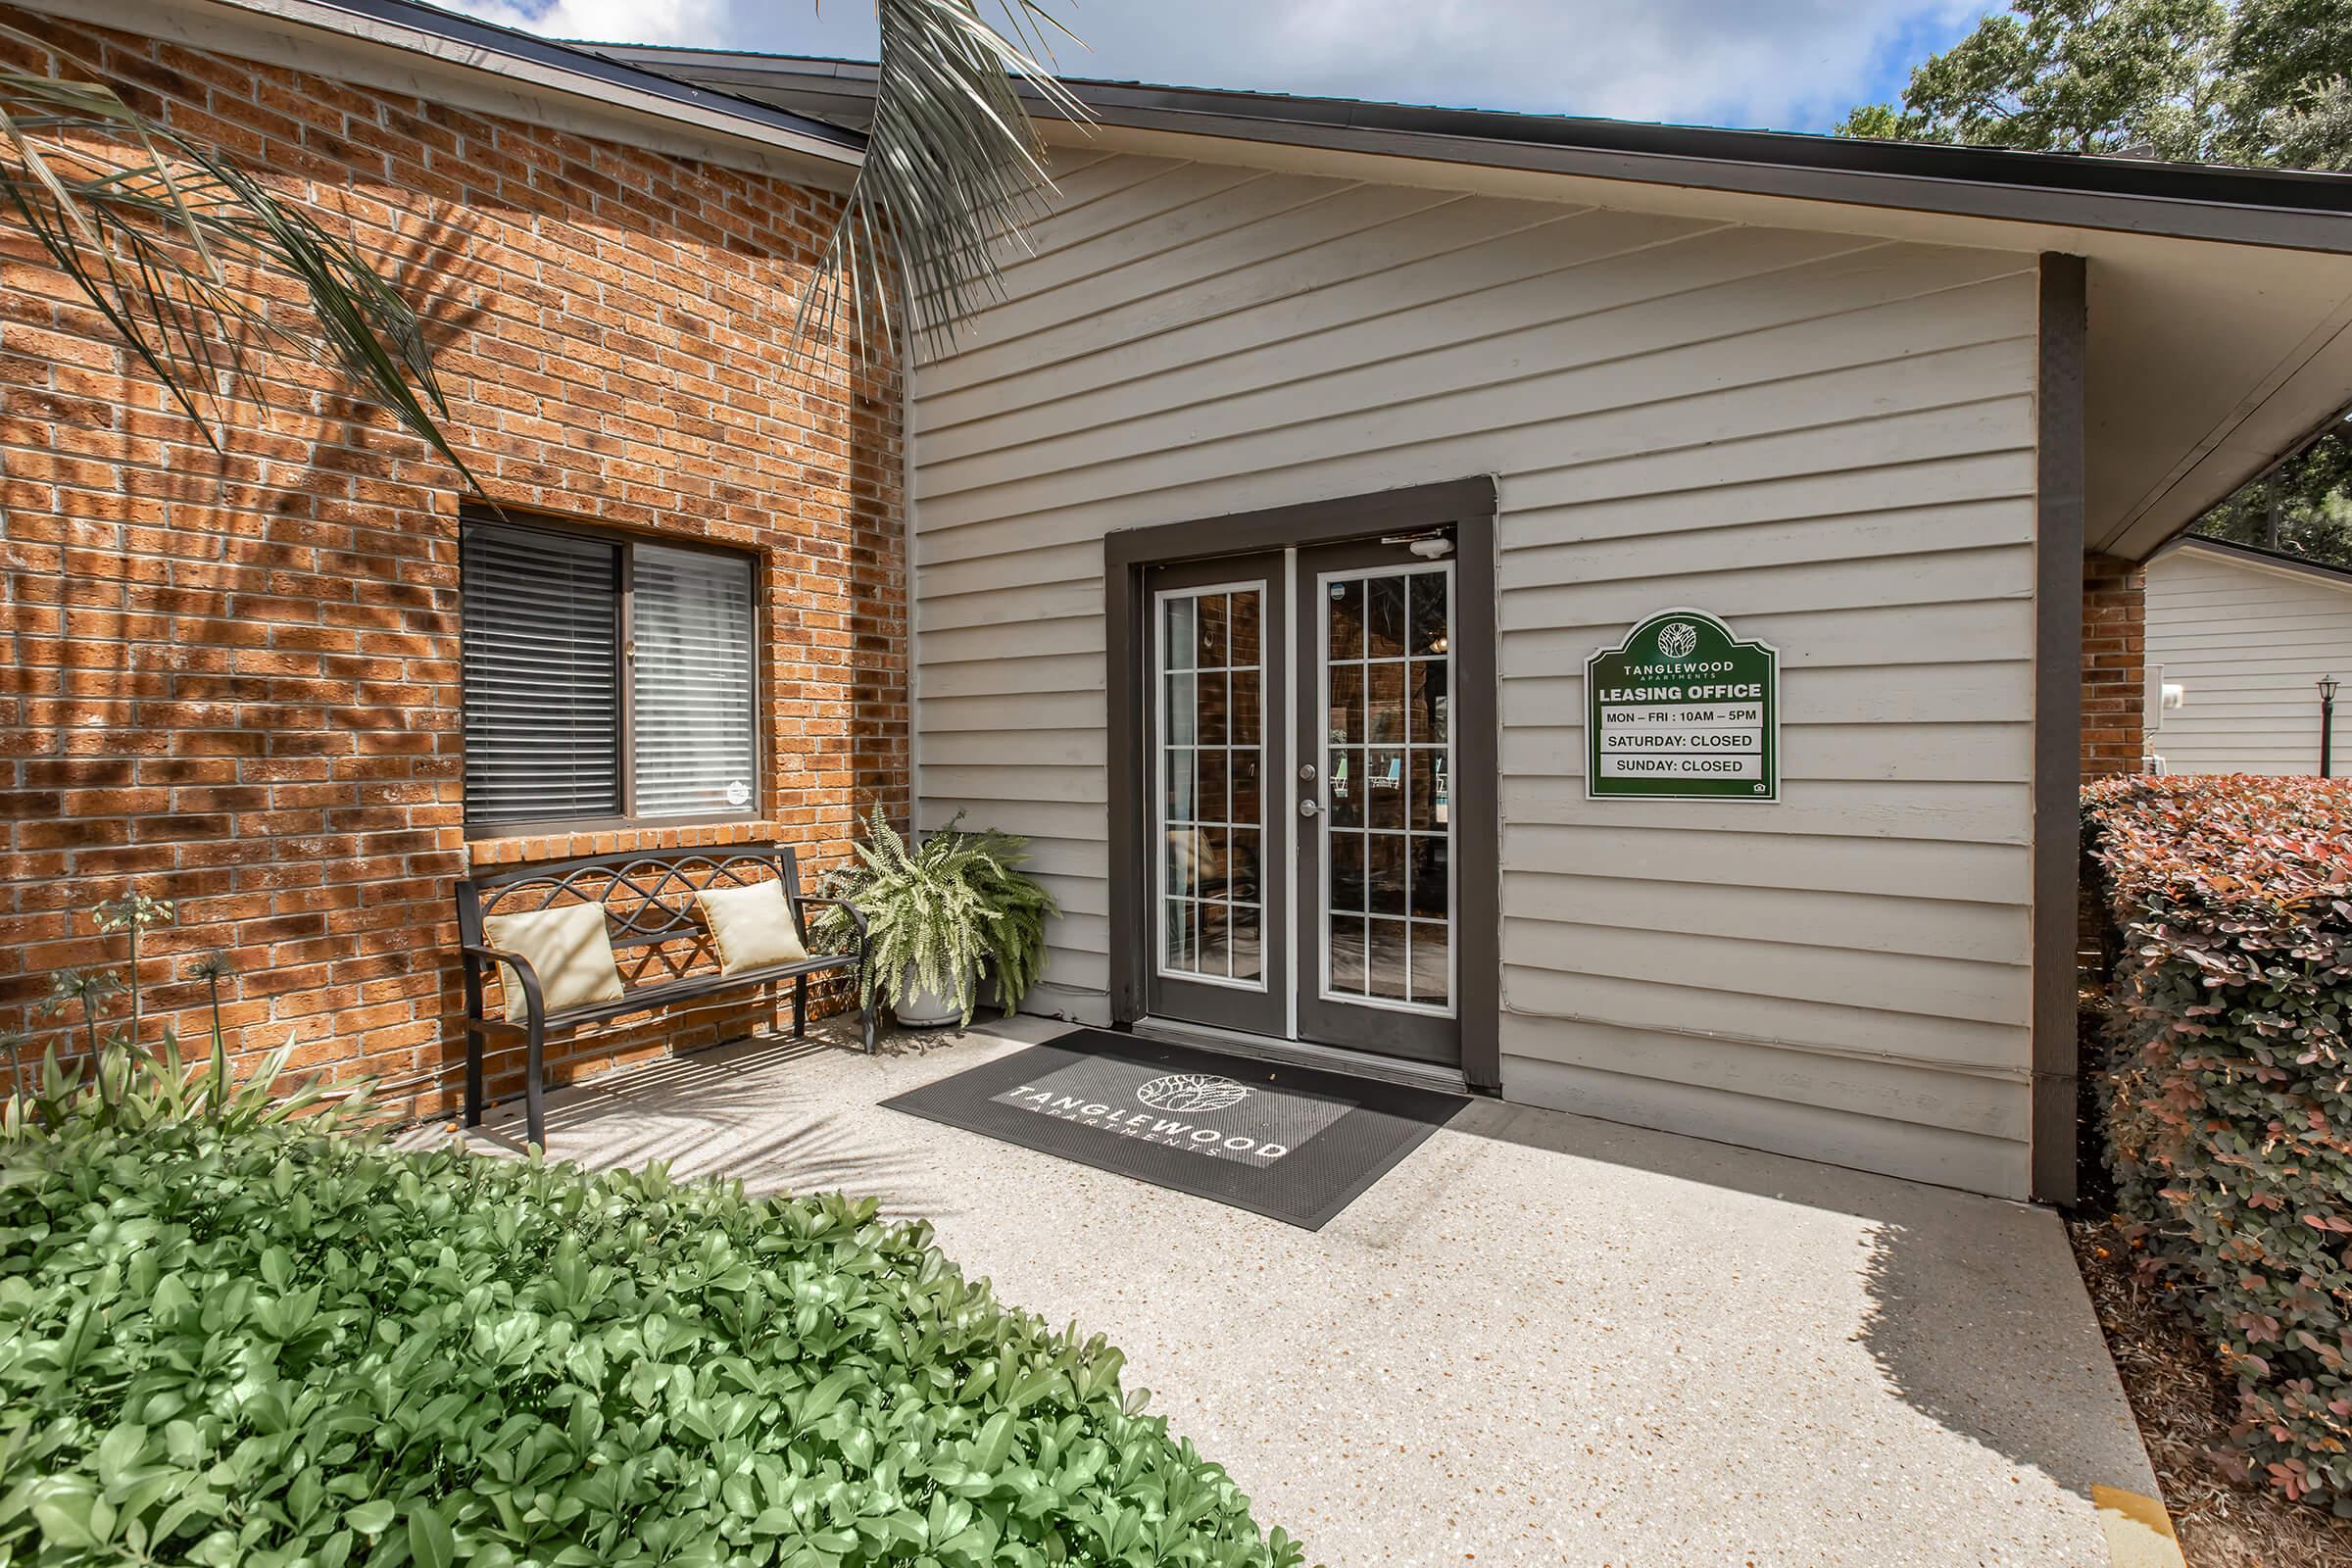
(1307,772)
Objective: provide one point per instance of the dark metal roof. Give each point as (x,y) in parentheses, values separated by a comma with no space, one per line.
(2246,206)
(605,68)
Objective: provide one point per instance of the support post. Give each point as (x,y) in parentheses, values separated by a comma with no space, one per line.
(2057,723)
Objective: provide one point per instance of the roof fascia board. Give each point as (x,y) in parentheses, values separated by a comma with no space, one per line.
(2055,207)
(2287,210)
(396,51)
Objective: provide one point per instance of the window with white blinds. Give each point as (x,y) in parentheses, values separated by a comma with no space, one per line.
(691,714)
(542,640)
(573,640)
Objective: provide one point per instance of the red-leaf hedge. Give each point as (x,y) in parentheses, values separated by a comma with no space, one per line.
(2227,1088)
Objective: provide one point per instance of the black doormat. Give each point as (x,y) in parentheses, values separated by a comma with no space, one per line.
(1289,1143)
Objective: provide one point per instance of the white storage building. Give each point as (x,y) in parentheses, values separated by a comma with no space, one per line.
(2246,635)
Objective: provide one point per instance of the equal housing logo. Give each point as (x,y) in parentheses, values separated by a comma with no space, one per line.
(1165,1100)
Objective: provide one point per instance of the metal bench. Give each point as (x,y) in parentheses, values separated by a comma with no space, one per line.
(648,899)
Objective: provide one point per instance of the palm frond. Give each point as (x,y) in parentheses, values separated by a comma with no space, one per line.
(155,231)
(953,161)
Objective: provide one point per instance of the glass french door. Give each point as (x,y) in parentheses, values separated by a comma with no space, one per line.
(1214,749)
(1377,849)
(1298,761)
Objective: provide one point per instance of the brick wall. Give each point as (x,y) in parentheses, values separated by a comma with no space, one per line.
(2115,627)
(233,680)
(2115,615)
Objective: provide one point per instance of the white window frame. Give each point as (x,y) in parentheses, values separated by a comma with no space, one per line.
(1158,784)
(1322,891)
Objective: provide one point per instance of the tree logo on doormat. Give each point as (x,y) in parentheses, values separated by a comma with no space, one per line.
(1191,1093)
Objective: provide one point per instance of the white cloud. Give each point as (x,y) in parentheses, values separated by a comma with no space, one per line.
(678,21)
(1785,63)
(1790,63)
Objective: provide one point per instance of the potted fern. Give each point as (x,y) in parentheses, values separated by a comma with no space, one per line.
(940,913)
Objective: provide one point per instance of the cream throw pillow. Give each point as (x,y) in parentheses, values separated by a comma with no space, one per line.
(753,926)
(568,950)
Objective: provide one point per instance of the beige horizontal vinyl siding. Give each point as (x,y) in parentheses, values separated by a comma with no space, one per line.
(1825,439)
(2247,644)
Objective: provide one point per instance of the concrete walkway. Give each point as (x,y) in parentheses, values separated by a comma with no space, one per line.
(1540,1340)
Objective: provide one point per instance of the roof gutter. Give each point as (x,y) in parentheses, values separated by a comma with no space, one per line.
(2284,209)
(2222,216)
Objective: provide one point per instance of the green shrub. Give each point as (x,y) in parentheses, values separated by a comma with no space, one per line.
(2228,1090)
(233,1335)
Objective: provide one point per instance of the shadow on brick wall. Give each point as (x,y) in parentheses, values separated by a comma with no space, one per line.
(236,676)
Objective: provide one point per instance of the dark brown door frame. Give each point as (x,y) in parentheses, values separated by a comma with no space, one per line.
(1468,507)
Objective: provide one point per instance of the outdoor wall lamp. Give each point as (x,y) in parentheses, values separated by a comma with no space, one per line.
(1430,546)
(2326,685)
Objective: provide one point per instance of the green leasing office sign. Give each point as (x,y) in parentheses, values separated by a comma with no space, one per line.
(1682,710)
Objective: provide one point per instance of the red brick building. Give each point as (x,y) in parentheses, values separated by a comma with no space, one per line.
(233,679)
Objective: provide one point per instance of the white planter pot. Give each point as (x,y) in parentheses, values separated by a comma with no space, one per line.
(920,1007)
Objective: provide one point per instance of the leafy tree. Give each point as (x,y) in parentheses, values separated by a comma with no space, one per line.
(2289,64)
(2265,83)
(2303,506)
(2069,75)
(2248,82)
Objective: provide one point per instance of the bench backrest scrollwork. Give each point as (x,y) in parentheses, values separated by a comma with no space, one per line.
(647,895)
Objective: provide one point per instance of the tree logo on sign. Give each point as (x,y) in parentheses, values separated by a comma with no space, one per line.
(1191,1093)
(1683,710)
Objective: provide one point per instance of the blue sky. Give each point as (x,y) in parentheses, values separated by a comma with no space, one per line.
(1792,64)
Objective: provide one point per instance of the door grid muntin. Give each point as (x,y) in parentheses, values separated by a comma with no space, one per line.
(1334,816)
(1209,843)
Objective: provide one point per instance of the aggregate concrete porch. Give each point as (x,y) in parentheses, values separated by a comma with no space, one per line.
(1539,1340)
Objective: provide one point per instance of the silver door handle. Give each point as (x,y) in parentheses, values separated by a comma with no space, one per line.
(1307,807)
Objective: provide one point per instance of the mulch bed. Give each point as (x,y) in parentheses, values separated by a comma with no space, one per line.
(2183,1403)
